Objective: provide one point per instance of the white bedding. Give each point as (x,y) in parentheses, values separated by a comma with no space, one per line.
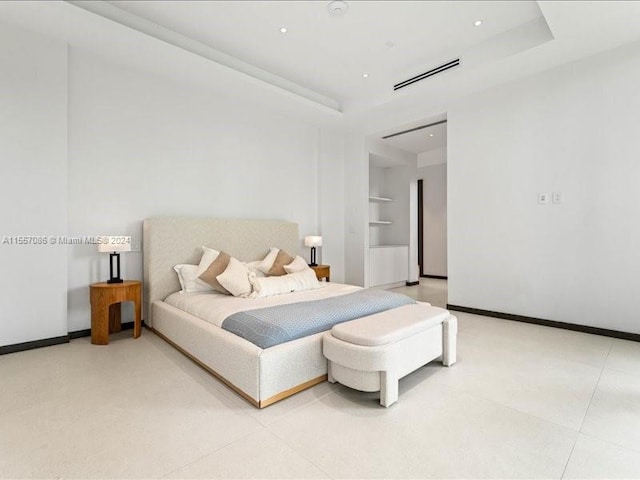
(216,307)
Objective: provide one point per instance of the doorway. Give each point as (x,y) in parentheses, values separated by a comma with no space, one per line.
(432,221)
(428,142)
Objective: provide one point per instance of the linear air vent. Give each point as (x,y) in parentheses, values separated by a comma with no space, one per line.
(440,122)
(430,73)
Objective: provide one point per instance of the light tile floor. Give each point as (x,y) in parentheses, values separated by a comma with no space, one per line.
(523,401)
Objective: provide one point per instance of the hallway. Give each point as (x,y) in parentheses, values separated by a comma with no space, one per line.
(430,290)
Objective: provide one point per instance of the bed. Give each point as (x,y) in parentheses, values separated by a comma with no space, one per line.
(261,376)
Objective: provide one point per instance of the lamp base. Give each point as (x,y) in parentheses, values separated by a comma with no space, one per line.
(114,277)
(313,264)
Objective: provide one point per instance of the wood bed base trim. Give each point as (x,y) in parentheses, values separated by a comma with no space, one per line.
(258,404)
(292,391)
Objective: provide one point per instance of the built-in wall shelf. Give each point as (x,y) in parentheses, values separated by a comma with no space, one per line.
(380,199)
(380,222)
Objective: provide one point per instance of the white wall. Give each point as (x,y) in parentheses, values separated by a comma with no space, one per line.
(573,130)
(434,209)
(33,197)
(141,145)
(331,187)
(90,147)
(356,188)
(437,156)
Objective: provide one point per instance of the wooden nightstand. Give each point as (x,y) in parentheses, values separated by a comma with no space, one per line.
(105,308)
(322,271)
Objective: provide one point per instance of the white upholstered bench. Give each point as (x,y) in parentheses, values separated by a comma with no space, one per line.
(372,353)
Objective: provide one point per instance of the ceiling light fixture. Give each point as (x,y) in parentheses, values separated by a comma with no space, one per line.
(283,30)
(431,134)
(365,75)
(338,7)
(477,23)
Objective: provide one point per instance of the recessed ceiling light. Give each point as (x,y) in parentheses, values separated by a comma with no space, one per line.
(283,30)
(431,134)
(365,75)
(477,23)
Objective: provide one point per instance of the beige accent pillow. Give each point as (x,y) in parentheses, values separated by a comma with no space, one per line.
(298,265)
(268,260)
(277,269)
(235,278)
(218,266)
(208,256)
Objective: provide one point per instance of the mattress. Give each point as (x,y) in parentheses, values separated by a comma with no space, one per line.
(214,308)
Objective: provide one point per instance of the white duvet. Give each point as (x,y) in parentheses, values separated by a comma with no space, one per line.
(215,307)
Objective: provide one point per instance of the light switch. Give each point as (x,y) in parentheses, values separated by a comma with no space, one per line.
(543,198)
(557,197)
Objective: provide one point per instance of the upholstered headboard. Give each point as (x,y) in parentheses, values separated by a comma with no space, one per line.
(168,241)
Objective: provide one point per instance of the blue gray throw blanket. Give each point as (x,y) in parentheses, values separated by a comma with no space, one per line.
(266,327)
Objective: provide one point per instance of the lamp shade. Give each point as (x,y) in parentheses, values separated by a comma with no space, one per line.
(114,244)
(313,241)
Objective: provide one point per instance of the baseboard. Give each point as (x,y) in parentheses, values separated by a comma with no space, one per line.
(87,332)
(45,342)
(439,277)
(412,284)
(548,323)
(388,286)
(80,333)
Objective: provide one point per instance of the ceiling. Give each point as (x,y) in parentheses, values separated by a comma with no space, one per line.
(389,40)
(421,138)
(314,71)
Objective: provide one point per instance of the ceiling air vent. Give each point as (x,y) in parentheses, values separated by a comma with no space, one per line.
(430,73)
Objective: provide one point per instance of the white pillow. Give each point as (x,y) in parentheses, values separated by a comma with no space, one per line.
(235,278)
(189,281)
(292,282)
(298,265)
(267,262)
(253,267)
(208,257)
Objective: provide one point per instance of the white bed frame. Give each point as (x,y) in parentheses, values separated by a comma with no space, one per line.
(261,376)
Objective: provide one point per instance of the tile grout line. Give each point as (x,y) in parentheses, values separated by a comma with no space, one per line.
(593,394)
(620,370)
(293,447)
(215,450)
(564,470)
(584,417)
(296,409)
(547,354)
(522,412)
(263,427)
(618,445)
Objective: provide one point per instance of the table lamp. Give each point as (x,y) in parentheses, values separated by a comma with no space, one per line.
(313,241)
(114,245)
